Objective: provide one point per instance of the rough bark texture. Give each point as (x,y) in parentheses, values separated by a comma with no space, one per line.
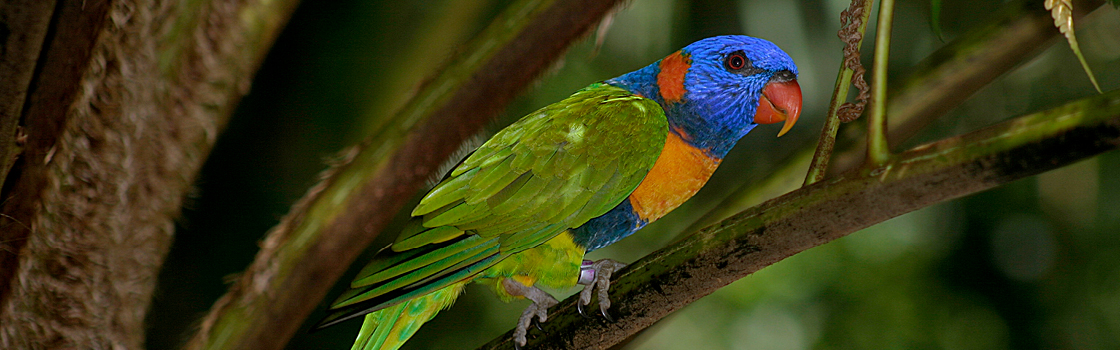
(65,55)
(125,109)
(23,27)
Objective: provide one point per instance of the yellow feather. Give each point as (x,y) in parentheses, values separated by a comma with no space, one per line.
(389,328)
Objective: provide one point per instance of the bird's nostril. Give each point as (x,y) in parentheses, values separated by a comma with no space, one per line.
(783,76)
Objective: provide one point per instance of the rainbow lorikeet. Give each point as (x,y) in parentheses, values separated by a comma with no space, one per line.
(574,176)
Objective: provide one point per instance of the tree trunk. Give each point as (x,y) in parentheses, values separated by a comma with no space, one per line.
(126,101)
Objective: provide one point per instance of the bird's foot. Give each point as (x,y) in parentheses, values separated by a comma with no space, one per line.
(537,312)
(597,276)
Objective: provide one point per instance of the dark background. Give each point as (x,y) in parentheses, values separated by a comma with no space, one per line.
(1033,264)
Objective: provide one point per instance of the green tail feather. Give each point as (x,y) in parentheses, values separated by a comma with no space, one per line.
(389,328)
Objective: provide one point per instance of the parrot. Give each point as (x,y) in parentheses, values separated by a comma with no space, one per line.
(522,209)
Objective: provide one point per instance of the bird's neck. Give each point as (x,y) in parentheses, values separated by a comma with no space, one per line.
(713,124)
(714,136)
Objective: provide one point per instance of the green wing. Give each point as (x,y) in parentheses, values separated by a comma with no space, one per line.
(552,170)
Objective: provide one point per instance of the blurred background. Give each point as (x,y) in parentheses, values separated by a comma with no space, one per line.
(1034,264)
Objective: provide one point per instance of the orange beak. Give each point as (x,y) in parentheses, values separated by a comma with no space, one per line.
(780,101)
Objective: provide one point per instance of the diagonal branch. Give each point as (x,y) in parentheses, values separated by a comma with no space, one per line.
(124,104)
(941,82)
(675,276)
(336,220)
(30,19)
(45,100)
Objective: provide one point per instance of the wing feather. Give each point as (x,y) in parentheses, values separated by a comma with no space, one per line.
(553,170)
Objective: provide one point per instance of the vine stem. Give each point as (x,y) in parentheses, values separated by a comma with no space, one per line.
(819,165)
(878,150)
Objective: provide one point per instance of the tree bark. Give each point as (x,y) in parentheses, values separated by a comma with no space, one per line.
(127,100)
(22,33)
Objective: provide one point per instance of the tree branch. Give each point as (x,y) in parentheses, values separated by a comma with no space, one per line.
(28,20)
(949,76)
(671,278)
(68,46)
(125,104)
(941,82)
(338,218)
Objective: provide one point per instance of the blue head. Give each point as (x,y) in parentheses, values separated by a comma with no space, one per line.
(717,89)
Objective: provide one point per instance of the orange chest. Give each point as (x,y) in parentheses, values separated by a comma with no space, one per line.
(679,172)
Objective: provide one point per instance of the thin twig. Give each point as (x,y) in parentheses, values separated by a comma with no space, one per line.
(853,23)
(878,150)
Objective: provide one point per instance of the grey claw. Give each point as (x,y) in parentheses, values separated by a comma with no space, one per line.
(534,314)
(597,280)
(539,328)
(579,307)
(606,315)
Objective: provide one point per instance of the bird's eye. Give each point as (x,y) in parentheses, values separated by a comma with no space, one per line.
(736,61)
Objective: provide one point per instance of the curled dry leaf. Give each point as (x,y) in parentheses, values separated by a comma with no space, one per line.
(851,19)
(1062,12)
